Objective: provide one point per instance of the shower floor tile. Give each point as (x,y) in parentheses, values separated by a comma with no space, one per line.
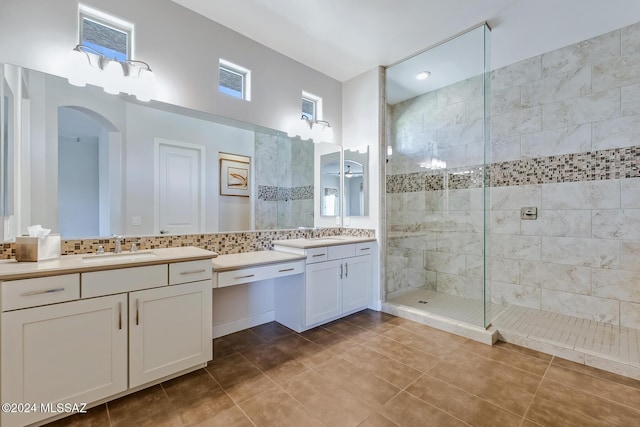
(467,310)
(588,339)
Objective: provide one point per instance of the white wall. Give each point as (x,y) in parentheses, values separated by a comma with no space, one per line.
(361,100)
(182,48)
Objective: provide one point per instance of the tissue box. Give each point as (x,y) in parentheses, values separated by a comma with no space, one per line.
(37,248)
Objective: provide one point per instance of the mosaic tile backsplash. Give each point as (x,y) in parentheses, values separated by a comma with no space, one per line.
(222,243)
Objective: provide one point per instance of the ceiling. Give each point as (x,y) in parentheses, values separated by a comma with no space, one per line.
(344,38)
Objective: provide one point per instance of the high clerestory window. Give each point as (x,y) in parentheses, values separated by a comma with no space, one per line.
(234,80)
(105,34)
(311,106)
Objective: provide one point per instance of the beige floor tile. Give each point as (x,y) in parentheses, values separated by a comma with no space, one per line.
(598,373)
(327,402)
(377,420)
(473,380)
(546,413)
(197,397)
(462,405)
(232,417)
(308,353)
(271,331)
(277,408)
(388,369)
(149,407)
(95,417)
(239,378)
(275,363)
(407,410)
(513,358)
(410,356)
(604,411)
(368,387)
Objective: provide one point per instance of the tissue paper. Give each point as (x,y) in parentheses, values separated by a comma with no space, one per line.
(39,246)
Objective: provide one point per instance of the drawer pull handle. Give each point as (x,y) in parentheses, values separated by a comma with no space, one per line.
(346,269)
(317,255)
(286,269)
(365,249)
(47,291)
(244,277)
(193,271)
(341,266)
(137,314)
(119,315)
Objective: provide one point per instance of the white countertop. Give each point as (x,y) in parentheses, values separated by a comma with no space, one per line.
(250,259)
(66,264)
(322,241)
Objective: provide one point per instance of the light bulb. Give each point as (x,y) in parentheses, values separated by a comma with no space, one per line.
(113,75)
(78,64)
(145,83)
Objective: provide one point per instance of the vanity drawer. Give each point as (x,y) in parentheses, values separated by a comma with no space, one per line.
(190,271)
(342,251)
(316,254)
(98,283)
(365,248)
(253,274)
(40,291)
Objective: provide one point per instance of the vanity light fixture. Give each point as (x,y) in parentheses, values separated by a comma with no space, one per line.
(316,130)
(87,65)
(423,75)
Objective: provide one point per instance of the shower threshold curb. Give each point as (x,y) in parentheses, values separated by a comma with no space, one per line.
(442,323)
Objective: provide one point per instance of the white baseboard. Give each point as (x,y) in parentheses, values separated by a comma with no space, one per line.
(376,305)
(241,324)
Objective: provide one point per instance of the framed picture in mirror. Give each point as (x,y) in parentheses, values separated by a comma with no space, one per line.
(235,176)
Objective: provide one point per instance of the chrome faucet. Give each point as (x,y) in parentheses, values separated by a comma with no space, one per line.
(119,241)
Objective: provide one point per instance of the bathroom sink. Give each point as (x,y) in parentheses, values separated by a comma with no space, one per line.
(123,256)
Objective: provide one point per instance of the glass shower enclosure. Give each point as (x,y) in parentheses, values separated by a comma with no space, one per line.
(435,201)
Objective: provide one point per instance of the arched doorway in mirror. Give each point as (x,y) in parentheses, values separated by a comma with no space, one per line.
(89,174)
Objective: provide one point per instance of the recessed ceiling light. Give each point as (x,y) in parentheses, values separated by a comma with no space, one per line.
(423,75)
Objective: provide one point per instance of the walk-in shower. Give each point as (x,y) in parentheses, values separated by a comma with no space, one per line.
(436,123)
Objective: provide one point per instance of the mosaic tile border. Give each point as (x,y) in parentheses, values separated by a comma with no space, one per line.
(272,193)
(222,243)
(598,165)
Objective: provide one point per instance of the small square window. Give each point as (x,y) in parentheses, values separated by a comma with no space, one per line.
(104,35)
(234,80)
(311,106)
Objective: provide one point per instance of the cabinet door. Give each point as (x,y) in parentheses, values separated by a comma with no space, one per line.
(169,330)
(71,352)
(356,284)
(323,292)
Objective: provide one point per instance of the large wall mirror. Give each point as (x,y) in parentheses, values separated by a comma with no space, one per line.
(356,182)
(92,164)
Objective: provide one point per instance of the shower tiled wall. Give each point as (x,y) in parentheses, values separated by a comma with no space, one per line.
(565,138)
(282,201)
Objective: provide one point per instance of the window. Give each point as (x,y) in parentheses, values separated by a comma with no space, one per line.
(234,80)
(308,109)
(107,35)
(311,106)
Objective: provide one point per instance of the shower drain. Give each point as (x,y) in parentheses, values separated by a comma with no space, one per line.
(423,302)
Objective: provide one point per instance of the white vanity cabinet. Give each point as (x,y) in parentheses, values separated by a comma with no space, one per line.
(338,282)
(169,330)
(70,352)
(96,334)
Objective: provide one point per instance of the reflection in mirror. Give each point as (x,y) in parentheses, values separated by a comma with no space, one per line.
(356,182)
(330,184)
(97,164)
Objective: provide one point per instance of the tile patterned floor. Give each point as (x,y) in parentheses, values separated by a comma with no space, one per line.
(372,369)
(604,339)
